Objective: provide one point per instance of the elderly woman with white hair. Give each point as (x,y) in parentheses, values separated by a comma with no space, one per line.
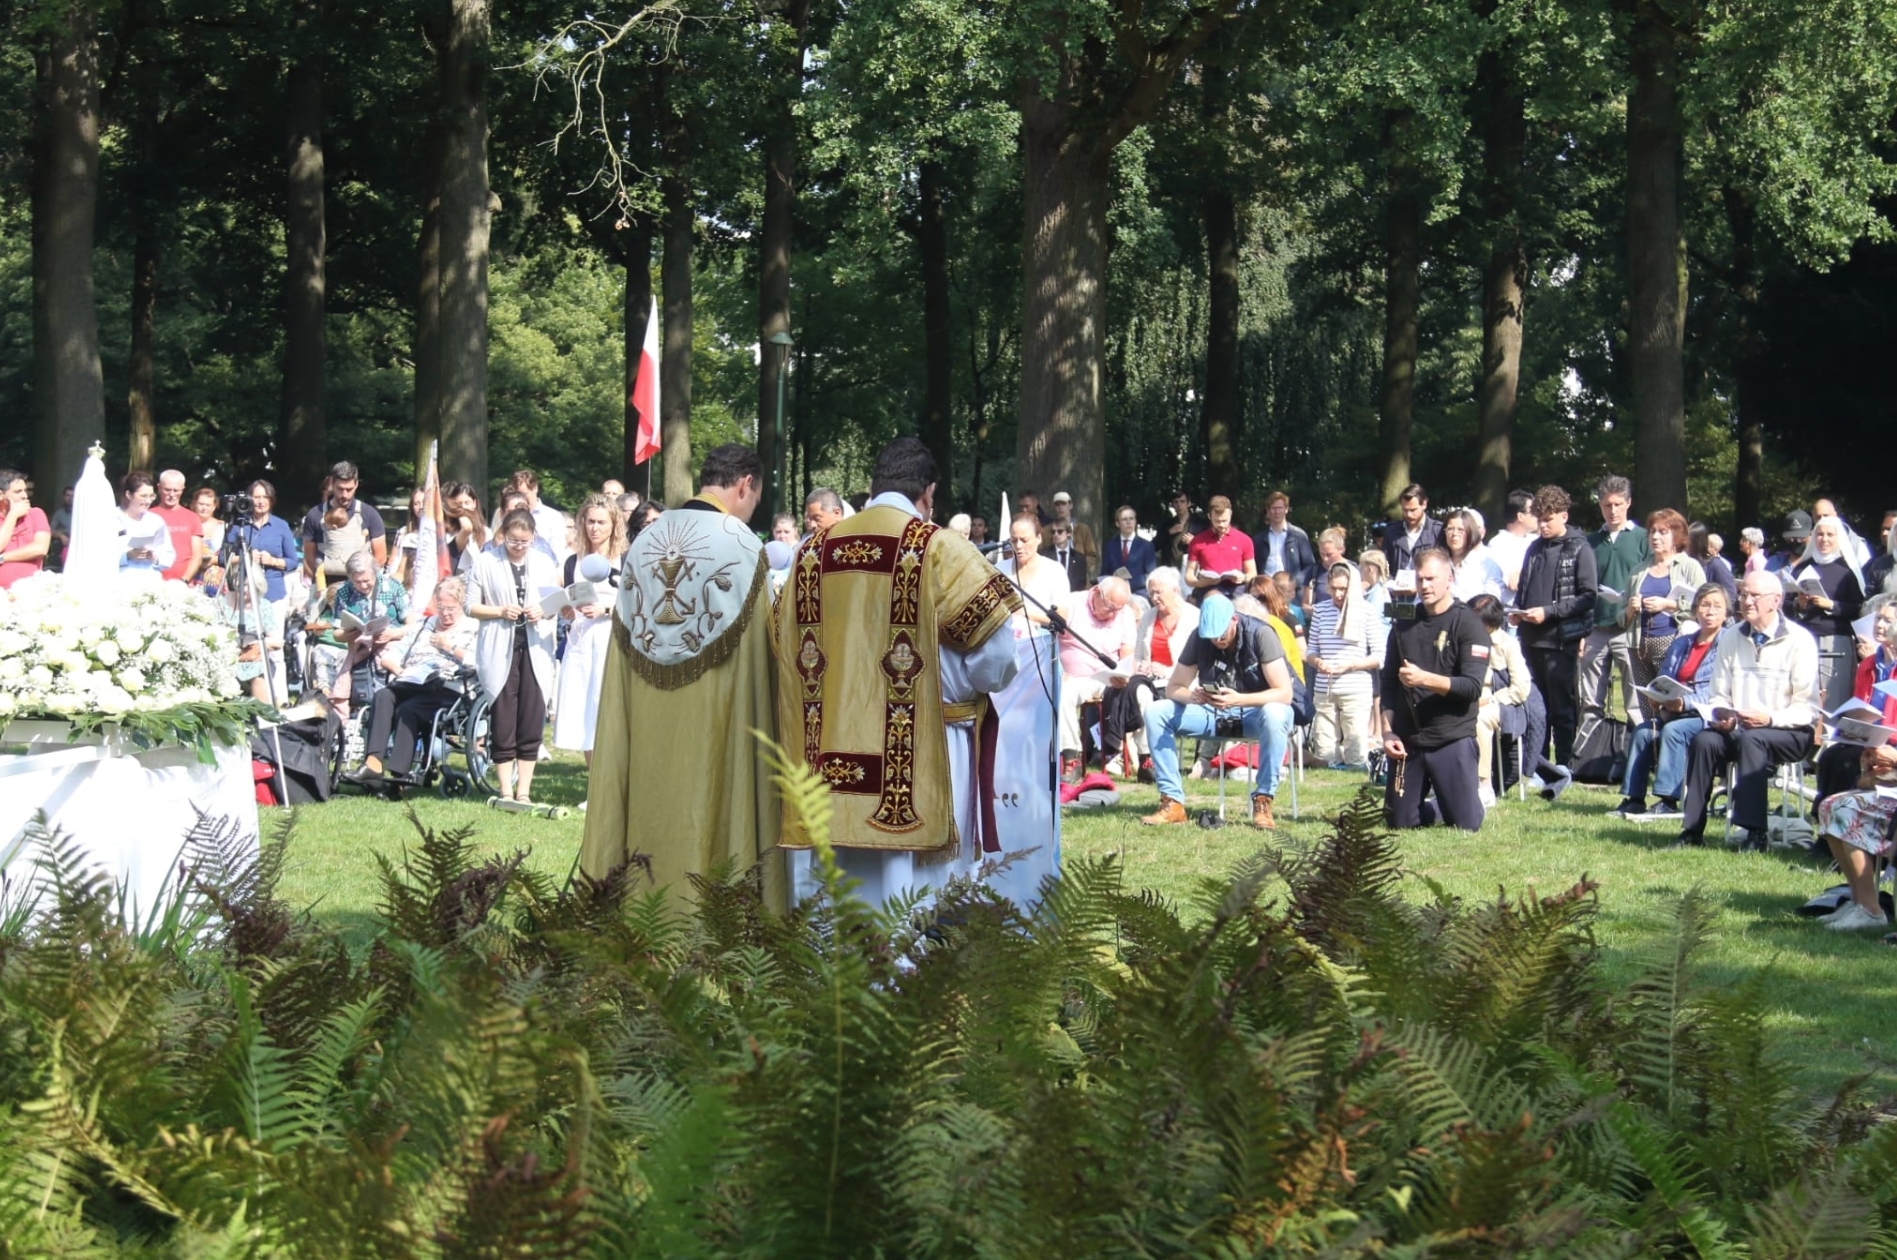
(425,677)
(1164,630)
(369,612)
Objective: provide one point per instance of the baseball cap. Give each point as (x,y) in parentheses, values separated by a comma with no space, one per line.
(1061,496)
(1215,616)
(1797,526)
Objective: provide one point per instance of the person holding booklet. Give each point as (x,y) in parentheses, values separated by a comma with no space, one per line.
(1760,714)
(588,610)
(1660,593)
(1839,763)
(1685,681)
(1854,816)
(1100,619)
(1826,591)
(513,654)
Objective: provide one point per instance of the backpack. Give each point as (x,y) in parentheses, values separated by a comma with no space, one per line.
(1600,751)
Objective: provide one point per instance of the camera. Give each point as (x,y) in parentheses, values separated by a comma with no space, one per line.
(236,505)
(1400,608)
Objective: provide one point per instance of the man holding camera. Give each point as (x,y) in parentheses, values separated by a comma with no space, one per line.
(1434,669)
(1231,681)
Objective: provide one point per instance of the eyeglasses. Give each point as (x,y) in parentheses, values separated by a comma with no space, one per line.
(1754,597)
(1062,532)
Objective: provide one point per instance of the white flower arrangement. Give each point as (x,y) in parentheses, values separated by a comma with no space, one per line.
(145,647)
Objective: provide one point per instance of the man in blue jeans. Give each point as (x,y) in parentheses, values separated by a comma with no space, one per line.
(1231,679)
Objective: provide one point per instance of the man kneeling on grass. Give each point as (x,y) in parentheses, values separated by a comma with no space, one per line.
(1434,670)
(1230,682)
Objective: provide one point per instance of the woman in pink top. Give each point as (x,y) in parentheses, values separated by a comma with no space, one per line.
(24,533)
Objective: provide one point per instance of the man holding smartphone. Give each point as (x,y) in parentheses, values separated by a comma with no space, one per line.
(1231,681)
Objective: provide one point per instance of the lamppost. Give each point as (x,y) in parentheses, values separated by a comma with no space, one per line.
(783,342)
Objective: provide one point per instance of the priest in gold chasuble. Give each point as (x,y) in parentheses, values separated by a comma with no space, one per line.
(676,776)
(890,633)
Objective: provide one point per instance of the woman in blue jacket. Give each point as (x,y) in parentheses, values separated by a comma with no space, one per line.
(1658,751)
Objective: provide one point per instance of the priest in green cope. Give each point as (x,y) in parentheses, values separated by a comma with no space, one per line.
(677,777)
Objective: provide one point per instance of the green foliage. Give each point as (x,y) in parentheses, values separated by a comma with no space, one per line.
(1301,1061)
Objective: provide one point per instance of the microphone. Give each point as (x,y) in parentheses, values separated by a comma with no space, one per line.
(597,568)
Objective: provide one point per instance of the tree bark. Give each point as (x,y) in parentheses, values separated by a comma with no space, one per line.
(637,313)
(1504,283)
(675,371)
(302,441)
(69,388)
(1656,265)
(1402,300)
(465,222)
(141,407)
(1219,408)
(1061,437)
(428,303)
(938,351)
(1748,481)
(774,242)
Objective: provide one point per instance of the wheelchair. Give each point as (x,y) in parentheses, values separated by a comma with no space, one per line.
(452,754)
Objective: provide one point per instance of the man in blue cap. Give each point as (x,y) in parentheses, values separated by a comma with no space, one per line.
(1231,681)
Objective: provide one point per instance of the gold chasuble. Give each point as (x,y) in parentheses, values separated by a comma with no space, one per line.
(676,775)
(868,603)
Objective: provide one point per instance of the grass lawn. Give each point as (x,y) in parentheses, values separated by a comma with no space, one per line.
(1833,996)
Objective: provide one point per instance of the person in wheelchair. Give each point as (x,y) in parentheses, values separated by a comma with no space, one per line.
(425,671)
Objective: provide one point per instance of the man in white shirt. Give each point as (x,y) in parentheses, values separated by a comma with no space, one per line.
(1099,619)
(1510,543)
(1762,697)
(549,522)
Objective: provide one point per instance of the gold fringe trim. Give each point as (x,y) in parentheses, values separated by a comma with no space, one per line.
(716,653)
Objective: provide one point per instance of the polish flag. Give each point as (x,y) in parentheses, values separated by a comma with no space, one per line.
(430,562)
(645,391)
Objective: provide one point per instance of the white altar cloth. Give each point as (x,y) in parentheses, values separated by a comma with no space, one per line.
(128,811)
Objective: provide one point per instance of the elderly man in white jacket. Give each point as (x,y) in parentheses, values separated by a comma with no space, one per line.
(1762,713)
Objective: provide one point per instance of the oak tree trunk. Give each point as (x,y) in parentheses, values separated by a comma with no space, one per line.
(1504,283)
(302,440)
(1748,481)
(1060,439)
(938,352)
(774,242)
(1656,266)
(428,305)
(465,221)
(1402,300)
(69,389)
(141,408)
(1220,406)
(675,351)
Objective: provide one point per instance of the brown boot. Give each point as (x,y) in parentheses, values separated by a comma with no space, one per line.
(1261,813)
(1169,811)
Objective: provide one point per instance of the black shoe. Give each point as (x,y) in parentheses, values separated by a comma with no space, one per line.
(1689,840)
(1629,807)
(1751,841)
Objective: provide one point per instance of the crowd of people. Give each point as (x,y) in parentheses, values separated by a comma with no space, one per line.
(1450,661)
(1454,663)
(343,608)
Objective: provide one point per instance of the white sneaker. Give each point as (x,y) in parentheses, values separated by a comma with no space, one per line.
(1855,918)
(1486,795)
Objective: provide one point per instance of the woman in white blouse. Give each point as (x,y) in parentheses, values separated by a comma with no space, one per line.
(1164,630)
(514,652)
(146,538)
(1477,573)
(589,630)
(1036,574)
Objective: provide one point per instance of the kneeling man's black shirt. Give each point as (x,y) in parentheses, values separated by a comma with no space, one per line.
(1453,642)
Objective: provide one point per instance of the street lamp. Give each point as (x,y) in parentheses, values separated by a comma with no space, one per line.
(783,342)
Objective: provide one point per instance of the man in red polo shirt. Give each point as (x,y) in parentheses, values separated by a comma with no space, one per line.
(185,526)
(1220,558)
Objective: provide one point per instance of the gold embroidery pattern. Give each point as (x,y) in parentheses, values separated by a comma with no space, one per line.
(810,582)
(856,553)
(903,666)
(811,662)
(964,630)
(838,773)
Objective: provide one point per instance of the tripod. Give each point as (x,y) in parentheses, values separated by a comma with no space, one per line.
(237,553)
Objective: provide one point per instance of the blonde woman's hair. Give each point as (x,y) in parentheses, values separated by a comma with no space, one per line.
(616,526)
